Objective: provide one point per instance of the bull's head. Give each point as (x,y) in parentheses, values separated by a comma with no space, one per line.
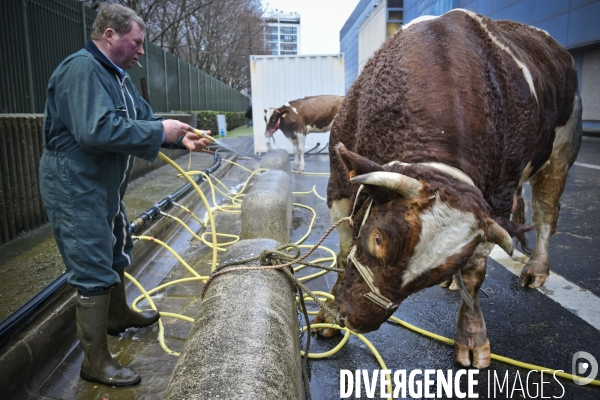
(273,118)
(413,227)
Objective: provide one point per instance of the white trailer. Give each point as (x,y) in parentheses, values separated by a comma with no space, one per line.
(277,80)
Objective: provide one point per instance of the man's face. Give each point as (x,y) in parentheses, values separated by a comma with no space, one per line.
(126,49)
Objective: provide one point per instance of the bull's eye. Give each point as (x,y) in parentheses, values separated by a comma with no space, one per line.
(378,239)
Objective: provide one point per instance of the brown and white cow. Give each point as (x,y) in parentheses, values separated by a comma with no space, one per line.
(446,121)
(298,118)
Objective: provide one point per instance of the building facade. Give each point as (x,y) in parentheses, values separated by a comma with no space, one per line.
(572,23)
(282,33)
(371,22)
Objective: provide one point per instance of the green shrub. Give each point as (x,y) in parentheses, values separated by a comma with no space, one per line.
(207,120)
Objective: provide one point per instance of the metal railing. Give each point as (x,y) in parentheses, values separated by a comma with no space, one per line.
(21,147)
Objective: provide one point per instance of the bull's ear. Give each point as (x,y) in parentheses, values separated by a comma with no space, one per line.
(265,110)
(497,234)
(355,164)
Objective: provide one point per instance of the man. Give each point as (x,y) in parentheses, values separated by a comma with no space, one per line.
(249,116)
(95,121)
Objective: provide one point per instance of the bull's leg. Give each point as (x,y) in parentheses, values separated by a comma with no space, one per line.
(301,142)
(339,209)
(547,186)
(295,143)
(471,344)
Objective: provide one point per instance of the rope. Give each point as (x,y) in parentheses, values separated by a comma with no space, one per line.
(265,255)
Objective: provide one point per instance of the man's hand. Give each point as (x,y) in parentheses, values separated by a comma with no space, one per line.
(174,129)
(194,142)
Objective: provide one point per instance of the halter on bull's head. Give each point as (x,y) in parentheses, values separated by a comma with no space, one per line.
(273,118)
(413,227)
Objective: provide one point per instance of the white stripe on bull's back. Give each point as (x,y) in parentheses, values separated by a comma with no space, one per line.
(444,232)
(522,66)
(419,19)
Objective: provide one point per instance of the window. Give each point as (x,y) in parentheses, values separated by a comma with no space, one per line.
(288,53)
(392,27)
(288,38)
(395,3)
(272,46)
(271,29)
(289,46)
(291,30)
(395,15)
(271,38)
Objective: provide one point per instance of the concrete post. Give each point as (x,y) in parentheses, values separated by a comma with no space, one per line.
(244,342)
(267,208)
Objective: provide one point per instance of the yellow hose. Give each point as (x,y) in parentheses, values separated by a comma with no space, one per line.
(343,342)
(496,357)
(166,246)
(322,295)
(204,200)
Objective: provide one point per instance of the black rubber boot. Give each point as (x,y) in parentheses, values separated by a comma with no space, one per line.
(121,316)
(98,365)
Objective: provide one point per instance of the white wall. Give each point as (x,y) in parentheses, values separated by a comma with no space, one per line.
(277,80)
(590,85)
(371,34)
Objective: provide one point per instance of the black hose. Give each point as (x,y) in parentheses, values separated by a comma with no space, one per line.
(167,202)
(7,326)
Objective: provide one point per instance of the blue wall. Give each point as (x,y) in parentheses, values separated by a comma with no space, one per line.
(573,23)
(349,38)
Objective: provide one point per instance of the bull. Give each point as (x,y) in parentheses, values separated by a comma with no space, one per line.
(428,154)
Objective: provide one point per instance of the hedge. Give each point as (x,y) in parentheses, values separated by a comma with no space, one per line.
(207,120)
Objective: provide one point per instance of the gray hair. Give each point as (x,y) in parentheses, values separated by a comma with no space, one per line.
(117,17)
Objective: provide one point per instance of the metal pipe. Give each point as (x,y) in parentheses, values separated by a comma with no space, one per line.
(167,202)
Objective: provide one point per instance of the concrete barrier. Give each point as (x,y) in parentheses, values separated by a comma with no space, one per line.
(267,208)
(244,342)
(277,160)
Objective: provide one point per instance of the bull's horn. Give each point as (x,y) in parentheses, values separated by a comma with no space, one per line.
(402,184)
(498,235)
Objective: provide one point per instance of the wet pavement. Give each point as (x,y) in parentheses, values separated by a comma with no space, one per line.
(522,324)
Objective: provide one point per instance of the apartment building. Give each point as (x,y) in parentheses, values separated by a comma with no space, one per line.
(282,32)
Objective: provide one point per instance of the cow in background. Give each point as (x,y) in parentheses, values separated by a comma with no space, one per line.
(443,126)
(298,118)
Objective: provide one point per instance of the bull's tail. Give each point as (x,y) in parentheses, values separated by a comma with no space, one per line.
(519,217)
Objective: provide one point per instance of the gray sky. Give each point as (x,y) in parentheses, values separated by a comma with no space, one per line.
(321,22)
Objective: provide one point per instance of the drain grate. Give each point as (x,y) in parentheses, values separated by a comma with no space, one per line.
(437,293)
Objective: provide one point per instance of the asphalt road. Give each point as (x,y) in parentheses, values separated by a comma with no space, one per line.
(542,327)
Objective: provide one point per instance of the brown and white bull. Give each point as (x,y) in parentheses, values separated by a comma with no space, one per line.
(442,127)
(298,118)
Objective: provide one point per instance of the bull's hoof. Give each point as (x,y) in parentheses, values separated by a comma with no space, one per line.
(453,285)
(446,283)
(532,278)
(477,357)
(449,283)
(323,317)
